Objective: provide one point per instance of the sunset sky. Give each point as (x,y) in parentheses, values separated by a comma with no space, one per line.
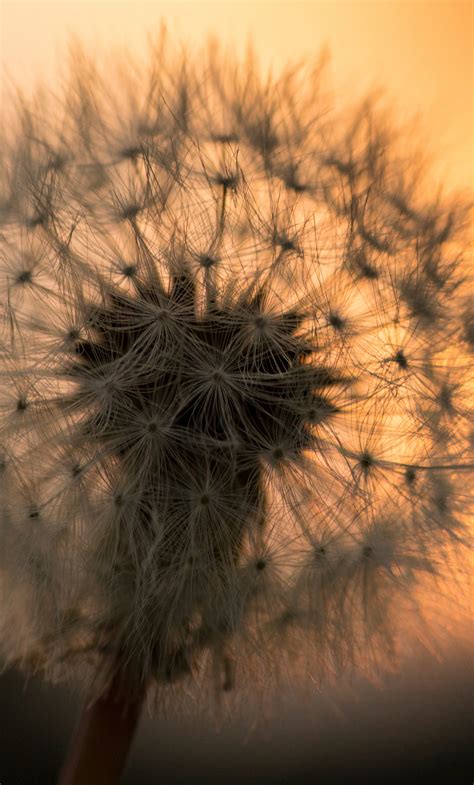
(420,53)
(420,50)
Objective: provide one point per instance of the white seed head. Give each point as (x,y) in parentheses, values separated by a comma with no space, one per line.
(233,352)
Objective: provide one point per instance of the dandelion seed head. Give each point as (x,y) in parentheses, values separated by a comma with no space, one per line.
(229,397)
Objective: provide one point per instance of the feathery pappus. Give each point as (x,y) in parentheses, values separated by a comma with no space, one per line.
(235,342)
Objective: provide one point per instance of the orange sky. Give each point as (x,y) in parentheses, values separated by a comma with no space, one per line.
(419,49)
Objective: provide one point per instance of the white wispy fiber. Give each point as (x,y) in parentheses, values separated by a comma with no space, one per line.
(234,407)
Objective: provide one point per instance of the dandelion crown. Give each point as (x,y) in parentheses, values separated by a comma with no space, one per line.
(234,350)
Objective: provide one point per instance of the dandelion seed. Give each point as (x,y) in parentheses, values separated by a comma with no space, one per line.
(401,359)
(336,321)
(129,270)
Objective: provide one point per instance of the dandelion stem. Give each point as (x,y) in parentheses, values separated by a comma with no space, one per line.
(101,742)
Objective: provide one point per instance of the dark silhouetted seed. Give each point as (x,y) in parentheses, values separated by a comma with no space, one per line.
(24,277)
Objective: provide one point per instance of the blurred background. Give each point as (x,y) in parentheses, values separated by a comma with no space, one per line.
(410,728)
(420,50)
(415,728)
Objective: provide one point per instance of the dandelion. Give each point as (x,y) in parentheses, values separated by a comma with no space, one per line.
(234,416)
